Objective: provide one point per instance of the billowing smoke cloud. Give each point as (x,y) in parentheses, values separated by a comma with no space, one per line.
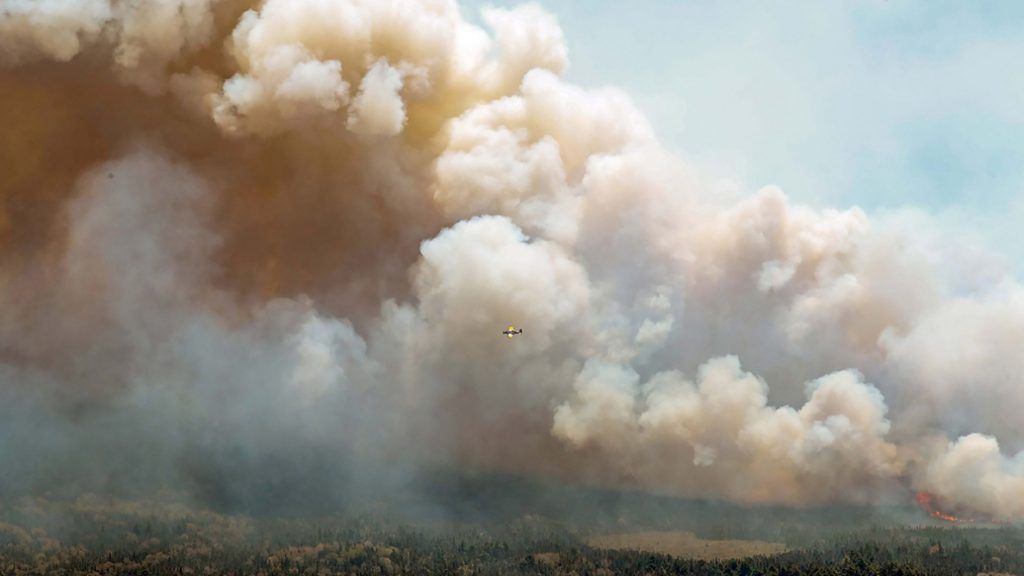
(279,240)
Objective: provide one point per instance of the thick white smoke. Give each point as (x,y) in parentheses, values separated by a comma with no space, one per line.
(260,238)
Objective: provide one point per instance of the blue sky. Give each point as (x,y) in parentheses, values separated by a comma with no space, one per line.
(880,104)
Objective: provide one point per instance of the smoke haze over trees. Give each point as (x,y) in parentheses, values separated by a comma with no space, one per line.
(258,247)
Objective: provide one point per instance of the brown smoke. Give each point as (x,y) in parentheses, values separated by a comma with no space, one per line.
(234,232)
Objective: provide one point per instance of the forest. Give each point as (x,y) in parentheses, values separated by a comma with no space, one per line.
(95,535)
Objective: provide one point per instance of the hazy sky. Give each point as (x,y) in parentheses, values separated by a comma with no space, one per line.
(880,104)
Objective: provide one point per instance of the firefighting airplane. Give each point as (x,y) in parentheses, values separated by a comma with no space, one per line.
(511,332)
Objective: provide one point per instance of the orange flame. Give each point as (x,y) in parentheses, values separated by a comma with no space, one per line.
(927,502)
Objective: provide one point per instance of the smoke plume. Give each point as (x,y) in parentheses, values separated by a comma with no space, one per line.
(247,243)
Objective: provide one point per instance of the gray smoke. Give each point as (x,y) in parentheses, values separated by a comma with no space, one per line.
(243,243)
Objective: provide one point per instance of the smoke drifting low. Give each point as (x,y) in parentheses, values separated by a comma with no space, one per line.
(249,244)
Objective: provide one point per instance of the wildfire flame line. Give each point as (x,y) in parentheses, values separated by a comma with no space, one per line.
(927,502)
